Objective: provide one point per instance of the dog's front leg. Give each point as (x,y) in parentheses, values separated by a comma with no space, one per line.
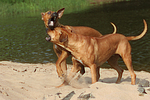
(94,73)
(72,73)
(61,64)
(75,69)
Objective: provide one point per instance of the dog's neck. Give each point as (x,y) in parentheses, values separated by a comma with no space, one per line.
(72,40)
(74,43)
(58,25)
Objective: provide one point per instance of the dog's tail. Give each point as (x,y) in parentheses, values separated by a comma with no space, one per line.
(115,29)
(141,35)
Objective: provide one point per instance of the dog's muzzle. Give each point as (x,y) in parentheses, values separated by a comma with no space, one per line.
(52,20)
(48,38)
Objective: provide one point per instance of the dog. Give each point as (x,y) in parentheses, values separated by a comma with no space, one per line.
(94,51)
(50,19)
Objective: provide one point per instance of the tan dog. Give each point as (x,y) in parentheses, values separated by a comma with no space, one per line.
(50,19)
(94,51)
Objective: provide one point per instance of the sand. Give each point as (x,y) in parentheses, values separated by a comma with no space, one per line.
(22,81)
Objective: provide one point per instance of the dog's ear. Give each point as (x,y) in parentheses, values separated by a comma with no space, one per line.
(63,37)
(60,12)
(42,14)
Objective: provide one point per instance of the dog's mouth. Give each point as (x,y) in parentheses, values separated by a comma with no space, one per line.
(52,20)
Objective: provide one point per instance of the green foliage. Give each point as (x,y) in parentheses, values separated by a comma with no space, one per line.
(33,6)
(12,1)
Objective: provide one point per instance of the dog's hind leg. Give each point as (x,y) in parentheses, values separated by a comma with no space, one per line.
(125,53)
(113,62)
(128,61)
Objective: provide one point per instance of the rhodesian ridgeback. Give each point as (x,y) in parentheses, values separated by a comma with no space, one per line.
(94,51)
(50,19)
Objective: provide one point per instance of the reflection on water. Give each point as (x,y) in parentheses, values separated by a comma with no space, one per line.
(22,38)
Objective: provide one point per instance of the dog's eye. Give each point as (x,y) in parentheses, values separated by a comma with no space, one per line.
(49,12)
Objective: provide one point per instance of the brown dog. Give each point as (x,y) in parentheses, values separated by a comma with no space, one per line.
(50,19)
(94,51)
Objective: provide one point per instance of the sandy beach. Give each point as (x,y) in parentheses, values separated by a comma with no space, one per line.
(22,81)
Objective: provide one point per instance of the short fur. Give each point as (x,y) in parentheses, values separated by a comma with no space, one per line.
(63,54)
(94,51)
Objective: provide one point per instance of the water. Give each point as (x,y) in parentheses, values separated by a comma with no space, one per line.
(22,38)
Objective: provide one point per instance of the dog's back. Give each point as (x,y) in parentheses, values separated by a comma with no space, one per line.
(98,48)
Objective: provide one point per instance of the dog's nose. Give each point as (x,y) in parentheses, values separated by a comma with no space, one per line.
(48,38)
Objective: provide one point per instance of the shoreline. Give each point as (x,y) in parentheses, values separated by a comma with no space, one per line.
(39,81)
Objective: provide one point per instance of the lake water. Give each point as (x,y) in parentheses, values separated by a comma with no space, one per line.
(22,38)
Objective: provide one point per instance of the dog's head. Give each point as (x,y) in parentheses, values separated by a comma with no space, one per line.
(50,18)
(59,35)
